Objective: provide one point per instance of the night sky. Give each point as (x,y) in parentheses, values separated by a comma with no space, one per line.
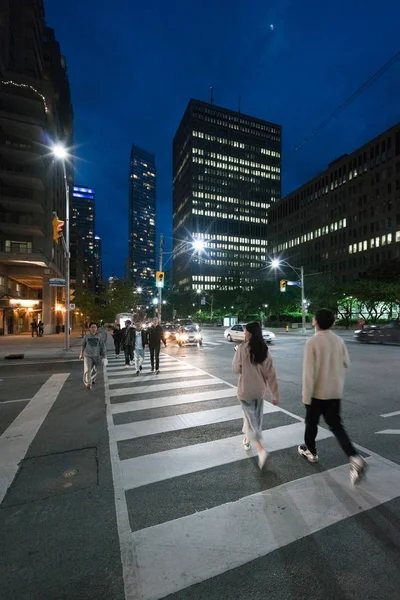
(134,65)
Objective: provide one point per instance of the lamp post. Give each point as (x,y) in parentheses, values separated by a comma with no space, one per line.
(275,264)
(60,153)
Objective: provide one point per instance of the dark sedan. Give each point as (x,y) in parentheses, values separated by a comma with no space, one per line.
(379,334)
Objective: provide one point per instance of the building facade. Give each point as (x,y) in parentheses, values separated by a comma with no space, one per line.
(226,175)
(35,111)
(83,259)
(98,262)
(347,219)
(142,218)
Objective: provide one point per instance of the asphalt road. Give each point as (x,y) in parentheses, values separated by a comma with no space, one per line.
(172,489)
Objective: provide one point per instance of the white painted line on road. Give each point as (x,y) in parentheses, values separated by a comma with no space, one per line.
(205,544)
(134,405)
(11,401)
(146,373)
(140,380)
(129,431)
(159,466)
(392,414)
(389,431)
(128,558)
(143,389)
(15,441)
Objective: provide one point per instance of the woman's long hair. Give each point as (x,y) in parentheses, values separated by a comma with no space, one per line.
(258,348)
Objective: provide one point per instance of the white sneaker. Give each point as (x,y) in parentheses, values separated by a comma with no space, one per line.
(262,459)
(358,467)
(304,451)
(246,444)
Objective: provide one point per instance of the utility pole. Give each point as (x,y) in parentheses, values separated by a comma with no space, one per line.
(160,268)
(303,300)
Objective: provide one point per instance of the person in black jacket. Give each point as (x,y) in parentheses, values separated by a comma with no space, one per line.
(127,343)
(155,336)
(117,337)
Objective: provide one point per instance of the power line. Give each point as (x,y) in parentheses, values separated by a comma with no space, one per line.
(350,99)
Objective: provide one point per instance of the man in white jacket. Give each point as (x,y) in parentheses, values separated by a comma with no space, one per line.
(325,361)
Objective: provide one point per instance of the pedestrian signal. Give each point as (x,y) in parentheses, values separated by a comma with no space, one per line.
(160,279)
(282,285)
(57,228)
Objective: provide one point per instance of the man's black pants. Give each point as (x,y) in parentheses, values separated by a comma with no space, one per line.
(155,353)
(128,354)
(330,410)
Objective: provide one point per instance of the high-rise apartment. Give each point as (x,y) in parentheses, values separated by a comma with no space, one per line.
(142,218)
(347,219)
(98,262)
(35,111)
(226,175)
(83,262)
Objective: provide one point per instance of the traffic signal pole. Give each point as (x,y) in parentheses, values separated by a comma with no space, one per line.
(67,259)
(160,268)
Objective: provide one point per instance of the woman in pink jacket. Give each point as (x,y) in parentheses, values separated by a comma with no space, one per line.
(253,363)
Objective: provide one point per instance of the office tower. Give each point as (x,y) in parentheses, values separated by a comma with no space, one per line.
(83,238)
(226,175)
(347,219)
(142,218)
(98,262)
(35,111)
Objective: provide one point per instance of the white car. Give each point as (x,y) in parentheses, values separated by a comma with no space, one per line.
(236,334)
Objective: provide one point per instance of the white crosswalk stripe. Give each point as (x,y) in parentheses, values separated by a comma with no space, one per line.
(179,428)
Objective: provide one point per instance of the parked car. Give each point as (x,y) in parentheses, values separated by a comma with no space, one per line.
(236,334)
(379,334)
(189,335)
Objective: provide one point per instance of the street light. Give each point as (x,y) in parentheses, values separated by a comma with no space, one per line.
(198,245)
(139,290)
(276,263)
(155,301)
(60,153)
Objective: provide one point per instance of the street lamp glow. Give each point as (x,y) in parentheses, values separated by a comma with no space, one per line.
(60,151)
(198,245)
(198,291)
(155,301)
(139,290)
(275,263)
(164,302)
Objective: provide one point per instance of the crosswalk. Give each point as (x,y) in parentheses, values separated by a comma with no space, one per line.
(191,503)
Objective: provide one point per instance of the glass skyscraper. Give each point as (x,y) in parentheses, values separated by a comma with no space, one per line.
(226,175)
(142,218)
(82,238)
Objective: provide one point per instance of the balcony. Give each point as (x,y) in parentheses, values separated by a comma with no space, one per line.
(22,176)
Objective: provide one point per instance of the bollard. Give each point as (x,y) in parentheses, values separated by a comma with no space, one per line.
(287,328)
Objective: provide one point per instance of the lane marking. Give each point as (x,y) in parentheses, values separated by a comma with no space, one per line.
(217,540)
(389,431)
(128,431)
(10,401)
(165,401)
(392,414)
(136,380)
(140,389)
(15,441)
(160,466)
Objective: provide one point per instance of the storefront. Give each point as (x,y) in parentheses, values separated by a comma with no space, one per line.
(17,314)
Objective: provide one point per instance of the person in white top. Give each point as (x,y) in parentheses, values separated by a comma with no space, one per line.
(253,363)
(325,361)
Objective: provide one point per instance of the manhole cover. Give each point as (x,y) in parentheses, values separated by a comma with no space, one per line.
(70,473)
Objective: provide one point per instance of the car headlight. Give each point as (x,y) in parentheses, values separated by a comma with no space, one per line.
(197,336)
(184,337)
(167,334)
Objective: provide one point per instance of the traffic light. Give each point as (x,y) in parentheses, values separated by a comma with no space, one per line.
(57,228)
(282,285)
(160,279)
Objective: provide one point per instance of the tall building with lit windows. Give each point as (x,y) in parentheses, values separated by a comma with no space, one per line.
(226,175)
(347,219)
(83,260)
(142,218)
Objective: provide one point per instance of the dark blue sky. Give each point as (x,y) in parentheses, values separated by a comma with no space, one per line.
(132,71)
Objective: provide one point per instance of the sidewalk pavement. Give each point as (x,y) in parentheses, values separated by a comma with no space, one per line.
(48,347)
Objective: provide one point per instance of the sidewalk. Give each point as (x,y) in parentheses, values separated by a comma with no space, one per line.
(48,347)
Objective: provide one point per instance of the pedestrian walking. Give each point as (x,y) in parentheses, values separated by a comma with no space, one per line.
(103,332)
(325,361)
(117,337)
(127,343)
(253,363)
(34,328)
(139,343)
(155,336)
(93,351)
(41,328)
